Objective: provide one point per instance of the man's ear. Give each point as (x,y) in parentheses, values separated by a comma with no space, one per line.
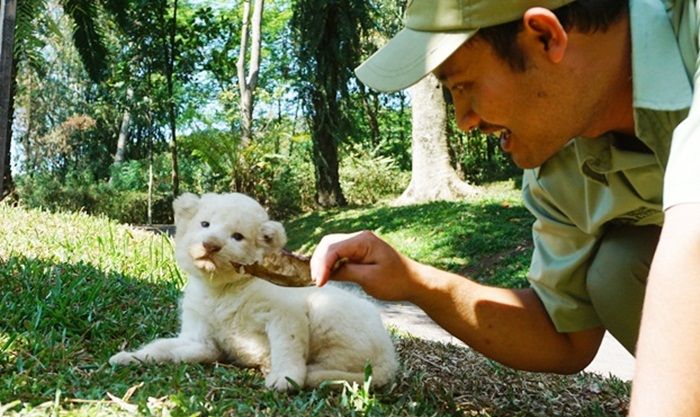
(272,236)
(545,33)
(185,208)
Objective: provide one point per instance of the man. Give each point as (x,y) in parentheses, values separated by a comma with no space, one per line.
(588,96)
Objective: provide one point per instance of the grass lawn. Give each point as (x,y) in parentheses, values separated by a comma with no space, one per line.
(74,289)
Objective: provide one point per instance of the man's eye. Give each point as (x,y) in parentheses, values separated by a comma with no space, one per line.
(238,236)
(205,224)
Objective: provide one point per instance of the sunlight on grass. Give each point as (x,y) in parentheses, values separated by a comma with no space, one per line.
(487,237)
(93,241)
(75,289)
(9,347)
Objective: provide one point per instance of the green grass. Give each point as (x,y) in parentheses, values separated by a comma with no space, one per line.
(488,239)
(74,289)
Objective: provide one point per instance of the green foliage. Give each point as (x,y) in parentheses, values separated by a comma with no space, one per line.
(382,123)
(80,192)
(368,177)
(274,170)
(480,158)
(35,17)
(486,238)
(88,36)
(217,149)
(29,22)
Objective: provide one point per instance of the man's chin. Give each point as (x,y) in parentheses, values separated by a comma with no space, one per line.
(527,161)
(526,165)
(523,163)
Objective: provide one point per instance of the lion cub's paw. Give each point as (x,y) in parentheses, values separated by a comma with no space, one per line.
(123,358)
(279,381)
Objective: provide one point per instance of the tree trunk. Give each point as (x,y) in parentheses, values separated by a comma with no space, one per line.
(325,155)
(149,214)
(371,110)
(432,176)
(124,129)
(173,115)
(248,81)
(8,186)
(9,10)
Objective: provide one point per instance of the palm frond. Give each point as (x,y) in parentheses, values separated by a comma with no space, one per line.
(28,45)
(87,36)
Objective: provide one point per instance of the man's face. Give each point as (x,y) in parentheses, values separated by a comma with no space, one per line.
(535,112)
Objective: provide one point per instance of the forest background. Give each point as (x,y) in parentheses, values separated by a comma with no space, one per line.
(116,107)
(111,108)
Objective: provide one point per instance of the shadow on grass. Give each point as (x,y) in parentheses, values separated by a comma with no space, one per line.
(60,322)
(488,240)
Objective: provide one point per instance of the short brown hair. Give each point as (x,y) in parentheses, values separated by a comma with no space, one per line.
(585,15)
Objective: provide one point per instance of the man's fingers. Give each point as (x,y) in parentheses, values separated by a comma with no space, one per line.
(321,266)
(323,259)
(334,250)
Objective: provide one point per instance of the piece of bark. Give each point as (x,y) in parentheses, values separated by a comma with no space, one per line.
(286,269)
(283,268)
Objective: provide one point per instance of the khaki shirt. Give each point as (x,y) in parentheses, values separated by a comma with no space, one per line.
(593,183)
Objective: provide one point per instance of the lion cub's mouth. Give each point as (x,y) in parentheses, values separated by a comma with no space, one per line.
(205,263)
(202,259)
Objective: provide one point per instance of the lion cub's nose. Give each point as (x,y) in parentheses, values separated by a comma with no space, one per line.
(211,247)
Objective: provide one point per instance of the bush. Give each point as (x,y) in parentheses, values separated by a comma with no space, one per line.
(78,191)
(274,169)
(44,190)
(368,177)
(282,181)
(132,206)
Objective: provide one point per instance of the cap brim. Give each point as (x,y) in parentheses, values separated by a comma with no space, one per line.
(408,57)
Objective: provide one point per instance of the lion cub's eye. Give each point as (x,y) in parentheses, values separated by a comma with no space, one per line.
(205,224)
(238,236)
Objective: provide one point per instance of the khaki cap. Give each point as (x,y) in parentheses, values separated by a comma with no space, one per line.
(434,30)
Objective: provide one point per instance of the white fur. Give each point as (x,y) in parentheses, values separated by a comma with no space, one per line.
(309,335)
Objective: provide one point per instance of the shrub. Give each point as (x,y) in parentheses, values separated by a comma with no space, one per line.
(368,177)
(274,169)
(283,182)
(79,192)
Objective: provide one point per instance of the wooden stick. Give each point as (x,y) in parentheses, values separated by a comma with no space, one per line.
(286,269)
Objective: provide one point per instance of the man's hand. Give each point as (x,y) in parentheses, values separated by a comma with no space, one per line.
(510,326)
(368,261)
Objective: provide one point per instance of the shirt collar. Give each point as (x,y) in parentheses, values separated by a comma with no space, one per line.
(659,76)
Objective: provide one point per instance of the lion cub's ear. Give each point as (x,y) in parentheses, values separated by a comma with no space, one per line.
(272,235)
(185,208)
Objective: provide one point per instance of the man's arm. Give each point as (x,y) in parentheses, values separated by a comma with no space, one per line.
(509,326)
(667,380)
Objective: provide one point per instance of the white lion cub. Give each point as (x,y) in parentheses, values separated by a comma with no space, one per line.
(308,335)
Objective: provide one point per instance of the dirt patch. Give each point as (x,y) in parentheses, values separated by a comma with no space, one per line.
(466,383)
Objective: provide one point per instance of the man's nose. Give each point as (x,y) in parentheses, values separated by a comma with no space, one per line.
(467,120)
